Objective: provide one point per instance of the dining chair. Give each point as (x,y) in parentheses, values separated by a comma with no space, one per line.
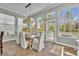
(23,41)
(1,45)
(18,39)
(38,42)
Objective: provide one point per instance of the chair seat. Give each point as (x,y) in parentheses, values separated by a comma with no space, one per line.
(38,42)
(22,40)
(35,40)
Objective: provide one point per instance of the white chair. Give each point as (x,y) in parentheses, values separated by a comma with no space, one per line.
(23,41)
(38,42)
(18,40)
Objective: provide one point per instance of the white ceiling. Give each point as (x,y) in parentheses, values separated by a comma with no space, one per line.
(19,8)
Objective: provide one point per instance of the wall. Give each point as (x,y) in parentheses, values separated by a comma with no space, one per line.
(9,29)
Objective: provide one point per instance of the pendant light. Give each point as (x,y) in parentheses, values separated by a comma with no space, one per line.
(27,19)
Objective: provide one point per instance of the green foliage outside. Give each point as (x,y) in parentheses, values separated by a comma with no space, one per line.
(67,28)
(51,27)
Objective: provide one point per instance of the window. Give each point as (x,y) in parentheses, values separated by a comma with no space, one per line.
(69,22)
(20,24)
(40,24)
(51,15)
(51,18)
(10,19)
(20,21)
(7,23)
(1,16)
(33,24)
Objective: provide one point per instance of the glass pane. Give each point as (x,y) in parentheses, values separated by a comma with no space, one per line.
(75,22)
(51,28)
(40,24)
(1,20)
(20,21)
(51,15)
(6,23)
(12,20)
(33,25)
(7,16)
(1,15)
(20,24)
(69,22)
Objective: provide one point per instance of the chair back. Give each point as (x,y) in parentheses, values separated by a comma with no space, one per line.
(41,41)
(21,37)
(1,37)
(42,36)
(23,41)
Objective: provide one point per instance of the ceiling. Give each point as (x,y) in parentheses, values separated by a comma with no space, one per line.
(19,8)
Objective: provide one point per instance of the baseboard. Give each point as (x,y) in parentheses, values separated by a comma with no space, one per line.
(70,54)
(8,40)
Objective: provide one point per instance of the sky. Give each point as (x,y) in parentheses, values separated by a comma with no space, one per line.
(74,12)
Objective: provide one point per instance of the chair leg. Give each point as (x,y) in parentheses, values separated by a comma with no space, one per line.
(62,50)
(19,44)
(1,51)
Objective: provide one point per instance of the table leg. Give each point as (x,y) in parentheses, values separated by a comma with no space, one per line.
(30,44)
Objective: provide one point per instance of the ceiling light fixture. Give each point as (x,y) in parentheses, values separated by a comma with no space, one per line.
(27,19)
